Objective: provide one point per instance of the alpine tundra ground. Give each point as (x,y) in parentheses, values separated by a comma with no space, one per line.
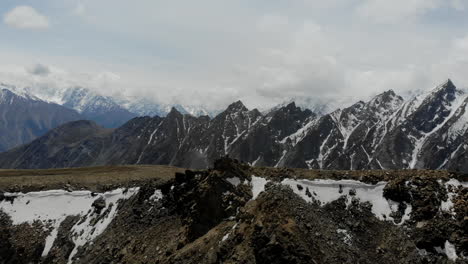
(232,213)
(107,177)
(92,178)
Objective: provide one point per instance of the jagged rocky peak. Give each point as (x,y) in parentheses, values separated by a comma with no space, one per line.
(174,113)
(436,107)
(448,85)
(386,98)
(353,112)
(236,107)
(446,91)
(386,102)
(357,106)
(291,106)
(284,109)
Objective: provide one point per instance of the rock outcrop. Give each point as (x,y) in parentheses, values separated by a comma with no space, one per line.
(234,213)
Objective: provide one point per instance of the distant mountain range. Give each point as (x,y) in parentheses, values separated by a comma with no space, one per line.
(30,112)
(24,118)
(108,111)
(387,132)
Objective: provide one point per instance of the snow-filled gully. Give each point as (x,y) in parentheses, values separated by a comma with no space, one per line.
(53,207)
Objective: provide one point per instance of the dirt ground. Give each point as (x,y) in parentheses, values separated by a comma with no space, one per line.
(108,177)
(204,218)
(92,178)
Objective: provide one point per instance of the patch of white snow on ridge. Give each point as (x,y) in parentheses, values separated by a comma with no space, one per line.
(450,251)
(258,186)
(407,215)
(52,207)
(326,191)
(346,236)
(451,186)
(225,237)
(460,126)
(84,232)
(156,196)
(300,134)
(234,181)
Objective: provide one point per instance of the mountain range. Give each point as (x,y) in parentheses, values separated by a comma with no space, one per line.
(387,132)
(24,118)
(108,111)
(31,111)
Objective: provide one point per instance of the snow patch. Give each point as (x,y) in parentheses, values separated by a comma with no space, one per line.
(346,236)
(326,191)
(156,196)
(300,134)
(54,206)
(258,186)
(234,181)
(84,232)
(450,251)
(225,237)
(461,125)
(451,186)
(407,214)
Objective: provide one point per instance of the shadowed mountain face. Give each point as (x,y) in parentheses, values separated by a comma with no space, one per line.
(428,131)
(24,118)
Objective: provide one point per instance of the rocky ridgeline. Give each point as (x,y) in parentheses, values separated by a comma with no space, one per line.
(232,214)
(429,131)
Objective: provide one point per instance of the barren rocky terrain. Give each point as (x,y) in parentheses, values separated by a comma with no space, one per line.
(232,213)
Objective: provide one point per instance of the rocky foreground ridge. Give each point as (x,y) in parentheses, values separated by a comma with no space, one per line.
(235,213)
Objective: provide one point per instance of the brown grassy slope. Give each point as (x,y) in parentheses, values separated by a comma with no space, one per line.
(90,178)
(110,177)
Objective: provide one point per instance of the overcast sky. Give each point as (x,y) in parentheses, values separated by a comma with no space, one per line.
(213,52)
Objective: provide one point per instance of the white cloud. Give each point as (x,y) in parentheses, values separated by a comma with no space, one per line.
(458,5)
(402,80)
(80,9)
(455,63)
(461,44)
(26,17)
(272,23)
(39,69)
(304,66)
(215,52)
(385,11)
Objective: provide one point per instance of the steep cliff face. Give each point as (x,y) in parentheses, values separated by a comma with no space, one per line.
(235,213)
